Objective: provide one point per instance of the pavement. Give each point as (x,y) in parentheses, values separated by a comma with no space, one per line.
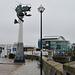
(8,67)
(6,60)
(29,68)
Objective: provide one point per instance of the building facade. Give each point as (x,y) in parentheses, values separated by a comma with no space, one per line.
(56,43)
(6,49)
(72,46)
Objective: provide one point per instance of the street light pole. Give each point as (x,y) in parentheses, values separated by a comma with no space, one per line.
(41,9)
(41,29)
(41,45)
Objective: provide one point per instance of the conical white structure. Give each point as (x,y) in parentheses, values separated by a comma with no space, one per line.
(19,57)
(20,37)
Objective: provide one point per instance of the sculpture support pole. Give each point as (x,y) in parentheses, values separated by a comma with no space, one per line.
(20,37)
(19,57)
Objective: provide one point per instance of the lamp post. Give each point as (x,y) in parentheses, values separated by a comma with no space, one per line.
(41,10)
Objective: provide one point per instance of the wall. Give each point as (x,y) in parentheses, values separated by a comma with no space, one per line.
(69,68)
(51,67)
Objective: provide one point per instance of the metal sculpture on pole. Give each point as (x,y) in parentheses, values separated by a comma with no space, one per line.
(21,12)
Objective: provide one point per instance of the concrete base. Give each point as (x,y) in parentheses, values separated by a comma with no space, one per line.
(19,61)
(19,57)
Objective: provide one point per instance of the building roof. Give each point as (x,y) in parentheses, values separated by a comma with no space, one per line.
(54,38)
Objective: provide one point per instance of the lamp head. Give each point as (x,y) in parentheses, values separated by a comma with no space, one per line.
(41,9)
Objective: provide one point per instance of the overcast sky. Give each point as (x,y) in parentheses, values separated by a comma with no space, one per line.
(58,19)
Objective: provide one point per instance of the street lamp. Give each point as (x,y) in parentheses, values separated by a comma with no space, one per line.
(41,10)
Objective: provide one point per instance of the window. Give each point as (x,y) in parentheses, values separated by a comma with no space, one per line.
(14,49)
(25,49)
(58,47)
